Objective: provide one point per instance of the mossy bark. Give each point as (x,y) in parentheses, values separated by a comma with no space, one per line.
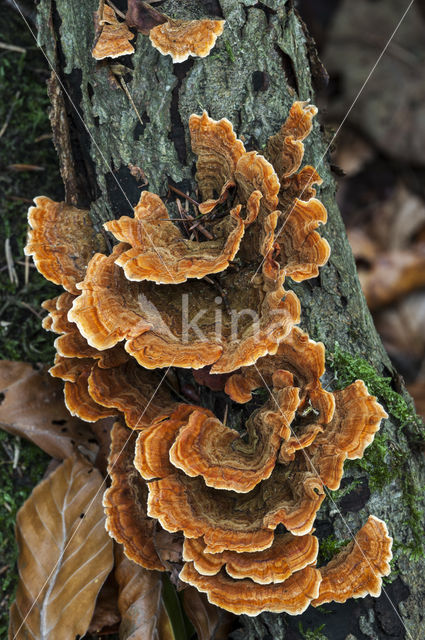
(260,65)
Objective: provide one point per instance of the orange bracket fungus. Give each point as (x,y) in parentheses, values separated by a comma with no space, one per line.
(125,503)
(114,36)
(222,458)
(286,555)
(357,570)
(158,326)
(183,38)
(61,241)
(160,253)
(245,596)
(230,510)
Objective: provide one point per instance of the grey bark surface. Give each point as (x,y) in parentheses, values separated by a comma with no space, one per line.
(98,135)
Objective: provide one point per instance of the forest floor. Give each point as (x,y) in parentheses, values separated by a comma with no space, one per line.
(25,140)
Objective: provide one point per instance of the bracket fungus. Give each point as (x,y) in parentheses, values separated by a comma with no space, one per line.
(288,201)
(357,570)
(61,241)
(245,596)
(156,321)
(219,454)
(114,37)
(286,555)
(125,502)
(160,253)
(183,38)
(180,476)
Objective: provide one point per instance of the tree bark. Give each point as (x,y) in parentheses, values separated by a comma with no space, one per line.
(260,65)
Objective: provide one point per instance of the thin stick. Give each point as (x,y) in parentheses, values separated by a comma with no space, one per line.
(128,94)
(100,10)
(226,411)
(117,11)
(9,115)
(183,195)
(12,47)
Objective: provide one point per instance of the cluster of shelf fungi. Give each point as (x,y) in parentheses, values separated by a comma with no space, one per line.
(238,505)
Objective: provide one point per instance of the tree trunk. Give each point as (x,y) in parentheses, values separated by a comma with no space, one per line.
(260,65)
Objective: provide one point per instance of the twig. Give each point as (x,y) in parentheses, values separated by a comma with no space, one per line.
(27,270)
(17,452)
(183,216)
(226,411)
(44,136)
(100,10)
(9,115)
(129,96)
(221,292)
(183,195)
(12,47)
(13,276)
(117,11)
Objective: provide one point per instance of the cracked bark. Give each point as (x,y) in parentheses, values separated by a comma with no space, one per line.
(261,63)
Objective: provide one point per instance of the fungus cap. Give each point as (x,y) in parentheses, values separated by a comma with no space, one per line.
(125,502)
(62,241)
(292,596)
(158,323)
(183,38)
(357,570)
(160,253)
(285,556)
(113,40)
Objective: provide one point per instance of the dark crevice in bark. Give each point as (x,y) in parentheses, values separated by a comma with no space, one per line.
(288,68)
(177,133)
(141,126)
(118,181)
(267,10)
(212,8)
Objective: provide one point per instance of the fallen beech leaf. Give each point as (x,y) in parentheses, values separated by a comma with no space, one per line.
(34,408)
(393,275)
(417,391)
(143,614)
(65,554)
(106,614)
(142,16)
(210,622)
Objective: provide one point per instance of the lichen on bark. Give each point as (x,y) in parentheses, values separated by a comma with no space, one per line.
(258,67)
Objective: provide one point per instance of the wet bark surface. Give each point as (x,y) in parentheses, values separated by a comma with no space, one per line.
(260,65)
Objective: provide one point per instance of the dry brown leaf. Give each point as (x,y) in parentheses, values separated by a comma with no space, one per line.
(402,328)
(210,622)
(106,614)
(393,275)
(391,117)
(65,554)
(143,614)
(417,391)
(34,408)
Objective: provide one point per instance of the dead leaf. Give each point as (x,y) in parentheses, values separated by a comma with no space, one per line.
(34,408)
(143,614)
(417,391)
(142,16)
(402,330)
(393,275)
(65,554)
(210,622)
(106,612)
(390,114)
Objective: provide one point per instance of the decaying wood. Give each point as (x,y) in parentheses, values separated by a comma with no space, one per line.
(265,40)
